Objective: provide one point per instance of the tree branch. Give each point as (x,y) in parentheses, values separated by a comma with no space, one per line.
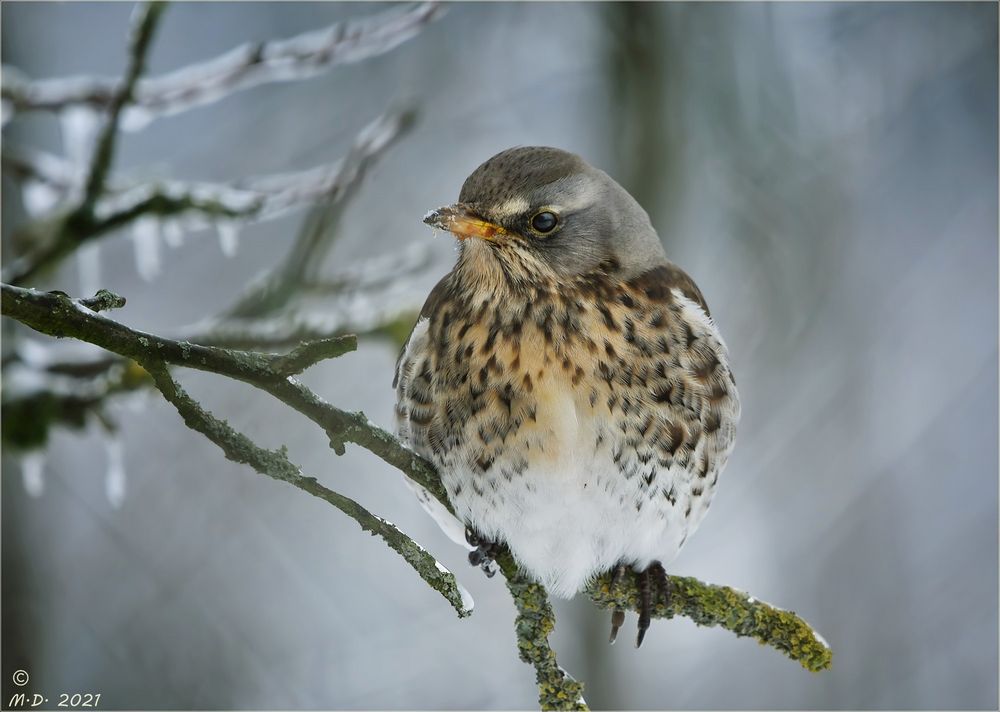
(303,259)
(146,18)
(275,464)
(296,58)
(736,611)
(557,690)
(56,314)
(260,198)
(705,604)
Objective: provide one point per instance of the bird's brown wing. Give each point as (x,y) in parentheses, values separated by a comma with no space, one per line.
(675,434)
(415,396)
(658,282)
(430,306)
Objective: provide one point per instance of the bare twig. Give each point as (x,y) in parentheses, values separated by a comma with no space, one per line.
(78,224)
(146,19)
(375,273)
(296,58)
(304,258)
(58,315)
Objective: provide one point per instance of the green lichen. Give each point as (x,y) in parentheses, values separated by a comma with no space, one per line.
(535,622)
(728,608)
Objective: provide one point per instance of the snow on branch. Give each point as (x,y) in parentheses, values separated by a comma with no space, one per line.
(296,58)
(262,197)
(200,205)
(32,165)
(146,18)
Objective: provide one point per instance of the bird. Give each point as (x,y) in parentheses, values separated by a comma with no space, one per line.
(567,380)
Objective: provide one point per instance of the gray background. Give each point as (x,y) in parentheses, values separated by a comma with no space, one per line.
(828,175)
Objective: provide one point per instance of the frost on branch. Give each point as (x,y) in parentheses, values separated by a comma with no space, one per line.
(188,206)
(293,59)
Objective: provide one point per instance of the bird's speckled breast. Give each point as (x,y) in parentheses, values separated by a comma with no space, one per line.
(576,423)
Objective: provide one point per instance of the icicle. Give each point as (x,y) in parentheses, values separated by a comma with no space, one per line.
(229,236)
(79,126)
(39,198)
(173,233)
(32,472)
(146,241)
(136,118)
(114,480)
(88,268)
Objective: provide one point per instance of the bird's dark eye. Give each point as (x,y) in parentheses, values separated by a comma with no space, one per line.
(544,221)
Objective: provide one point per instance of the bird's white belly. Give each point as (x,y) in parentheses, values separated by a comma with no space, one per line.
(571,516)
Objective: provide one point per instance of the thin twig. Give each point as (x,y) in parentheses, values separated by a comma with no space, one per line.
(79,224)
(147,17)
(296,58)
(253,199)
(57,315)
(276,465)
(314,240)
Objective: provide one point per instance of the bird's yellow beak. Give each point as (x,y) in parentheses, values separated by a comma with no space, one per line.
(461,222)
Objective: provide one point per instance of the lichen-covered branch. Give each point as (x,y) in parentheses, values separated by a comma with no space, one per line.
(55,314)
(276,465)
(557,690)
(296,58)
(728,608)
(58,315)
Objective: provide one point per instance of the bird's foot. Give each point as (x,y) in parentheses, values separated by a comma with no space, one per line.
(653,585)
(485,554)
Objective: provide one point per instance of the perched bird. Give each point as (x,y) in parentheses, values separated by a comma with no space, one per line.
(566,379)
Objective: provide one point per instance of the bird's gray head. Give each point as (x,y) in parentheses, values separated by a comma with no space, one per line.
(540,213)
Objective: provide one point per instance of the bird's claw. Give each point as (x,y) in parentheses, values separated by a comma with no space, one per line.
(653,583)
(485,553)
(618,615)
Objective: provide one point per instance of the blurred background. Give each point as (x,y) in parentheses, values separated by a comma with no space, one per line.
(826,172)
